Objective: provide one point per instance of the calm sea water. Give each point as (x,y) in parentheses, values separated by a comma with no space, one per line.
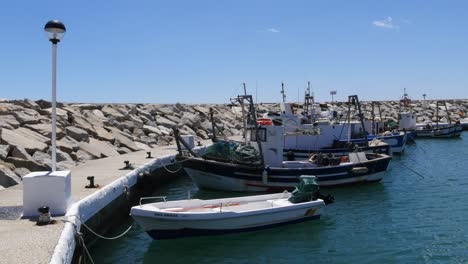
(406,218)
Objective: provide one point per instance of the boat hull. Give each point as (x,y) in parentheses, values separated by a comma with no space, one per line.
(304,154)
(230,177)
(442,132)
(159,234)
(164,225)
(397,142)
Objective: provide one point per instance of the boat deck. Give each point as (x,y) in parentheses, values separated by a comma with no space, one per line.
(228,207)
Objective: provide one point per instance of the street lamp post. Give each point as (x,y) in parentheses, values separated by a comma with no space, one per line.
(55,30)
(333,93)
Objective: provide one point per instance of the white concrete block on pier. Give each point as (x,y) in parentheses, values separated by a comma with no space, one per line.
(45,188)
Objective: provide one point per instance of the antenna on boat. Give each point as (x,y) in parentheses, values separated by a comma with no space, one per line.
(283,93)
(256,92)
(308,101)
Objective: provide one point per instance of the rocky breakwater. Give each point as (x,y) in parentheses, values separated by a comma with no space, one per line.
(93,131)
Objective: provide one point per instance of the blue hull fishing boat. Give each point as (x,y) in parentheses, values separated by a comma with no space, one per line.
(396,139)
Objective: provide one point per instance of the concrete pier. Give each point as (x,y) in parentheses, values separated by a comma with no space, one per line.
(24,242)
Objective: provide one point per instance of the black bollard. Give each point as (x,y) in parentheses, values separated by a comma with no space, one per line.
(44,216)
(91,182)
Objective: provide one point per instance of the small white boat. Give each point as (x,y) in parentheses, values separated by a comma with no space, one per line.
(195,217)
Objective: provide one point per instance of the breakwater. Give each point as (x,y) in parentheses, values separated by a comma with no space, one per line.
(93,131)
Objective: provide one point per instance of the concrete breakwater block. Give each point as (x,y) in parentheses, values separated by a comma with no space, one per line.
(45,188)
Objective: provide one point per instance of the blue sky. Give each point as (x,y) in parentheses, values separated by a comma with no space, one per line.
(202,51)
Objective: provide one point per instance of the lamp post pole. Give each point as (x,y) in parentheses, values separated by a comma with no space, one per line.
(54,105)
(333,93)
(55,31)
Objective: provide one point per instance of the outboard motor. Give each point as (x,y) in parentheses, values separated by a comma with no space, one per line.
(308,190)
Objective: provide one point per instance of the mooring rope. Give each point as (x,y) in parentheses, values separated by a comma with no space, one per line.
(415,172)
(420,147)
(107,238)
(92,231)
(85,249)
(168,170)
(176,162)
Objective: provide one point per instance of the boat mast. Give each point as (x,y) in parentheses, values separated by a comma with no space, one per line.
(448,115)
(349,119)
(437,114)
(215,127)
(244,125)
(250,118)
(354,100)
(382,123)
(373,118)
(283,93)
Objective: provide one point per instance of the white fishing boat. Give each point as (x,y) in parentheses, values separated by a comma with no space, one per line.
(195,217)
(323,132)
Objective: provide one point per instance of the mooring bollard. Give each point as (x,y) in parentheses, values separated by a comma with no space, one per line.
(44,216)
(91,182)
(149,155)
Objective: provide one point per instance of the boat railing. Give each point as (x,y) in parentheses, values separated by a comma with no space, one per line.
(152,197)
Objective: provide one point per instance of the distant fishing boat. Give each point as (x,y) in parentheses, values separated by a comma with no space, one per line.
(395,139)
(407,117)
(314,131)
(437,130)
(195,217)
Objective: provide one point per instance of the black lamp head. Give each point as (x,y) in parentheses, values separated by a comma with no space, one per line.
(55,30)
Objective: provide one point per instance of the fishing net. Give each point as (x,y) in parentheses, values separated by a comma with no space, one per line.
(232,151)
(246,154)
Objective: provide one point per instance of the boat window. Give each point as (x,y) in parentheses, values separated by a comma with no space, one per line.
(259,136)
